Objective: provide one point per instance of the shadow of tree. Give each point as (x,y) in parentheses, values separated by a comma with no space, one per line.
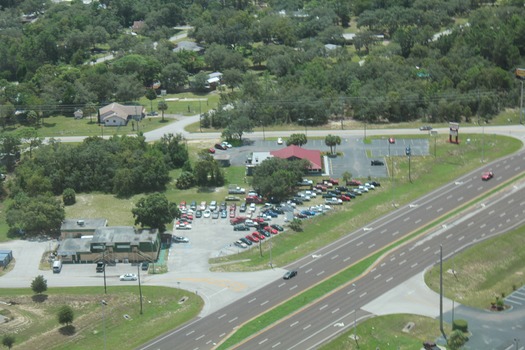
(39,298)
(67,330)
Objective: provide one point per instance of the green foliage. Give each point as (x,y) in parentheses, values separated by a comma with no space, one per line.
(276,177)
(65,315)
(69,196)
(456,339)
(296,139)
(39,284)
(332,141)
(207,172)
(186,180)
(41,214)
(8,340)
(296,225)
(155,211)
(461,325)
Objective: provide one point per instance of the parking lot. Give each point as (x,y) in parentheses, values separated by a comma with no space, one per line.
(355,156)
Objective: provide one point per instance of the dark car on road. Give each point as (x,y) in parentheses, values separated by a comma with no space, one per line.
(144,266)
(376,162)
(290,274)
(425,128)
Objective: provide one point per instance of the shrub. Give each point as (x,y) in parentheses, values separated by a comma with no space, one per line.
(461,325)
(69,196)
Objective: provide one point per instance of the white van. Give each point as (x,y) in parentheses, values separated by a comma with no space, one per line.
(57,266)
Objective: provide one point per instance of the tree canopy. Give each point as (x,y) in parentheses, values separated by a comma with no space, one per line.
(155,211)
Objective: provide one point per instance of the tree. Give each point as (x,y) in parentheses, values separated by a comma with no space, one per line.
(296,139)
(69,196)
(186,180)
(162,106)
(332,141)
(42,214)
(151,95)
(65,315)
(456,339)
(276,178)
(39,284)
(10,147)
(155,211)
(30,136)
(296,225)
(8,340)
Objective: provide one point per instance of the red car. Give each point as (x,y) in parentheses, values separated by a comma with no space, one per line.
(252,238)
(188,217)
(344,198)
(232,213)
(211,150)
(321,187)
(182,205)
(237,220)
(258,235)
(271,230)
(486,176)
(353,183)
(333,181)
(258,220)
(392,140)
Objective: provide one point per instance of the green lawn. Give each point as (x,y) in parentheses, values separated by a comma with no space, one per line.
(124,327)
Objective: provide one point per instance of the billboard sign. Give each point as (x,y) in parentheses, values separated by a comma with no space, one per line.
(520,73)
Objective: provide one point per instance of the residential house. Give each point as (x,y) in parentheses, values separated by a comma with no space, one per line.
(116,114)
(188,46)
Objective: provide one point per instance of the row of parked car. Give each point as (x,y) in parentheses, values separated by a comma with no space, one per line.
(262,229)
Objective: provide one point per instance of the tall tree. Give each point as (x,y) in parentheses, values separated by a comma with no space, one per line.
(155,211)
(8,340)
(65,315)
(151,95)
(296,139)
(332,141)
(162,106)
(39,284)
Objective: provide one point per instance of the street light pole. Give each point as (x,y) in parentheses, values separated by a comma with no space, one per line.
(521,103)
(516,340)
(355,316)
(140,288)
(104,304)
(104,261)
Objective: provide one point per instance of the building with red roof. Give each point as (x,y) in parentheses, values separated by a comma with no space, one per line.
(295,152)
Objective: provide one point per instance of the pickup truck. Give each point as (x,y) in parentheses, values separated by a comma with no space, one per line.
(333,201)
(236,190)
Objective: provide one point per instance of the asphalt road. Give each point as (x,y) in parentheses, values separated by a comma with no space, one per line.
(204,333)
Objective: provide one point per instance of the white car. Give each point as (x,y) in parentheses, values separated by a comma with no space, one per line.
(363,189)
(252,207)
(203,205)
(226,144)
(183,226)
(370,186)
(128,277)
(180,239)
(280,141)
(206,213)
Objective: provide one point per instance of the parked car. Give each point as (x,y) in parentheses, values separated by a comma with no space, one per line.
(280,141)
(128,277)
(211,150)
(242,208)
(290,274)
(144,266)
(259,235)
(213,205)
(487,175)
(277,227)
(101,266)
(376,162)
(252,238)
(241,227)
(206,213)
(333,201)
(226,144)
(193,205)
(245,241)
(250,223)
(425,128)
(241,244)
(308,212)
(353,183)
(238,220)
(264,232)
(391,140)
(369,186)
(344,198)
(202,205)
(214,214)
(180,239)
(272,230)
(198,214)
(220,146)
(182,225)
(232,198)
(305,182)
(224,214)
(375,183)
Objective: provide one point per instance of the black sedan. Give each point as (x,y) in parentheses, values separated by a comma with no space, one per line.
(290,274)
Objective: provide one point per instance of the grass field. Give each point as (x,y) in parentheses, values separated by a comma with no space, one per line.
(119,324)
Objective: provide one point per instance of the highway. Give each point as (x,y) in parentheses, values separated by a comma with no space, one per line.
(315,324)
